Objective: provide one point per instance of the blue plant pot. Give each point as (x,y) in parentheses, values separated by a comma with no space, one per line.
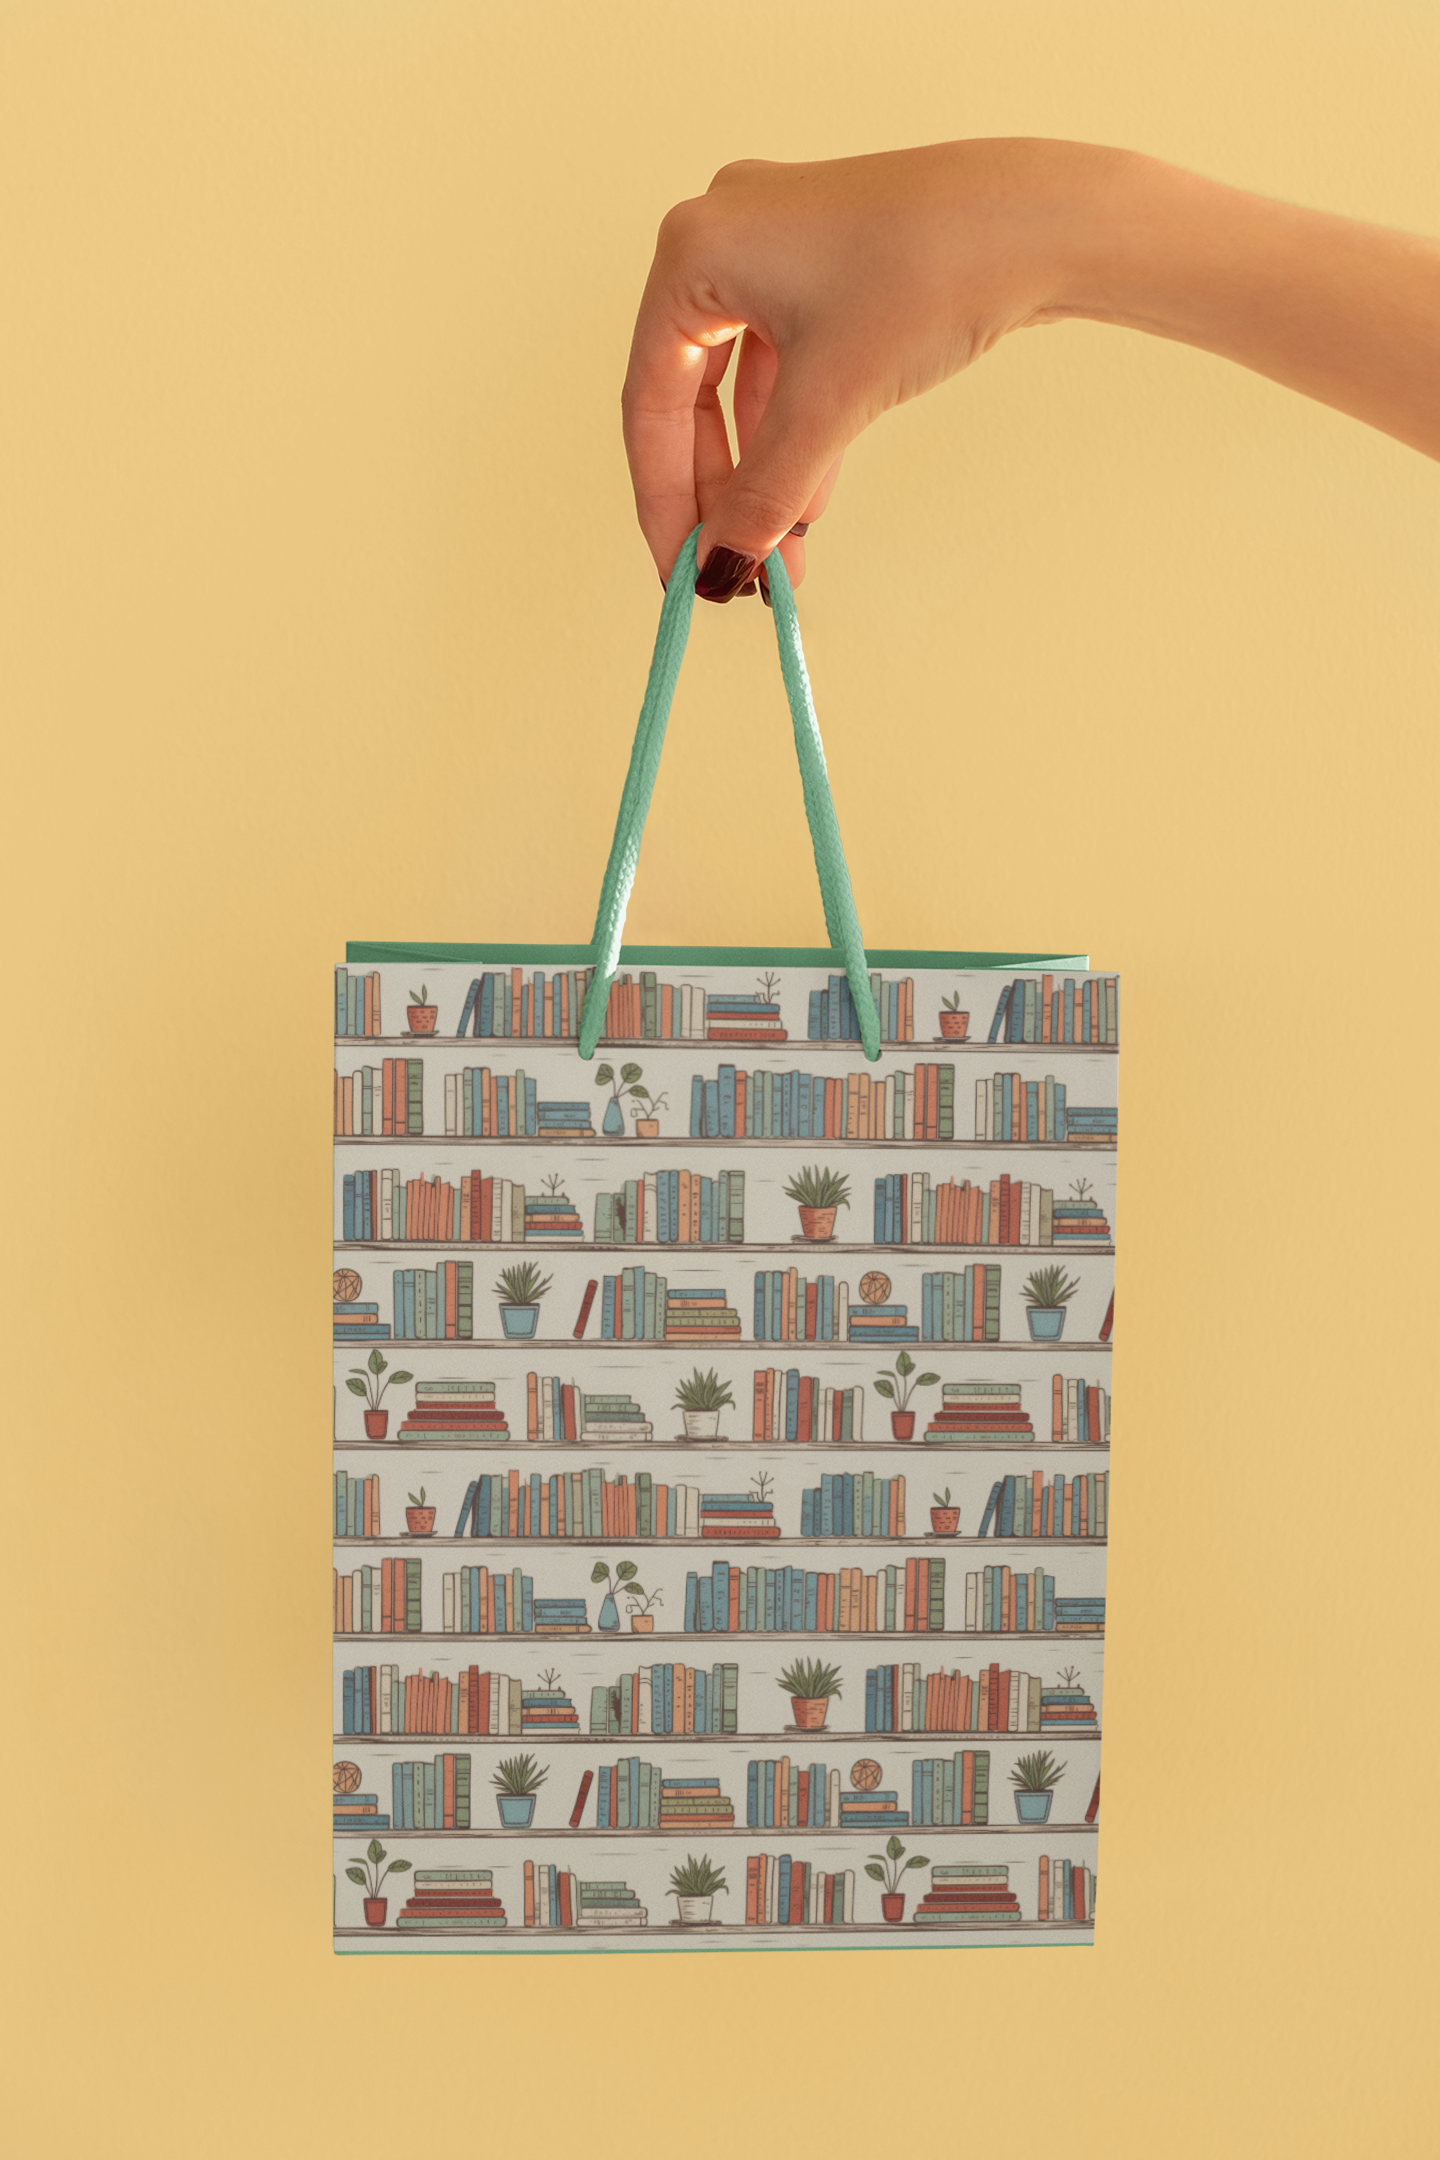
(1033,1806)
(614,1119)
(517,1810)
(1046,1324)
(519,1319)
(609,1621)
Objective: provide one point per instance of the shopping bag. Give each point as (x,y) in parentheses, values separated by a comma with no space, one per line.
(720,1553)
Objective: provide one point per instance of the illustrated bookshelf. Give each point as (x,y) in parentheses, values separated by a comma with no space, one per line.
(609,1500)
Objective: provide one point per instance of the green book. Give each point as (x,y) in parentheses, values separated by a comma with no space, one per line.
(937,1595)
(412,1597)
(414,1096)
(947,1102)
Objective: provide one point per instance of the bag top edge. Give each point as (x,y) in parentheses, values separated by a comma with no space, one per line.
(360,952)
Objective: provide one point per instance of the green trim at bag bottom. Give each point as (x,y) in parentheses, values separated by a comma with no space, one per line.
(360,953)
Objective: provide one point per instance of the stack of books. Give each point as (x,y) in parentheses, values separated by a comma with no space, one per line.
(563,1121)
(967,1896)
(644,1009)
(379,1099)
(874,1811)
(357,1003)
(781,1892)
(946,1792)
(694,1803)
(737,1515)
(548,1710)
(359,1811)
(1006,1603)
(633,1306)
(452,1898)
(1026,1507)
(783,1796)
(899,1699)
(484,1105)
(360,1323)
(578,1504)
(561,1616)
(382,1600)
(883,1324)
(435,1304)
(742,1019)
(1079,1413)
(454,1410)
(899,1105)
(1098,1127)
(357,1505)
(961,1306)
(1080,1615)
(668,1699)
(854,1505)
(779,1601)
(378,1700)
(673,1207)
(1067,1890)
(609,1905)
(700,1316)
(1038,1009)
(1012,1107)
(431,1795)
(788,1308)
(795,1406)
(980,1411)
(1066,1709)
(633,1795)
(833,1017)
(503,1003)
(1079,1223)
(552,1216)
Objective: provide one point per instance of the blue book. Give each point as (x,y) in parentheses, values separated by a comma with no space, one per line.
(792,1403)
(727,1102)
(882,1209)
(1047,1619)
(720,1585)
(697,1108)
(466,1505)
(1005,1527)
(1001,1009)
(484,1022)
(815,1024)
(712,1109)
(692,1601)
(472,999)
(348,1700)
(669,1698)
(760,1335)
(871,1706)
(811,1612)
(705,1620)
(917,1791)
(769,1808)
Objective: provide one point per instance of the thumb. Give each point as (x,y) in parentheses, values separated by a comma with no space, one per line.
(798,438)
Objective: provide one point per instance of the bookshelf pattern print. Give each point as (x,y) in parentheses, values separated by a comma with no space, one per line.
(712,1490)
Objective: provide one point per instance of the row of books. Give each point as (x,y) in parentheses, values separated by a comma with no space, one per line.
(558,1898)
(556,1409)
(912,1210)
(1002,1601)
(899,1105)
(1066,1890)
(378,1600)
(384,1207)
(961,1304)
(357,1003)
(783,1795)
(376,1699)
(635,1795)
(1011,1107)
(668,1699)
(434,1304)
(1026,1507)
(485,1105)
(378,1099)
(781,1892)
(431,1795)
(501,1002)
(853,1504)
(791,1405)
(833,1018)
(583,1504)
(950,1792)
(673,1207)
(357,1505)
(1040,1009)
(791,1308)
(900,1699)
(906,1599)
(640,1306)
(482,1601)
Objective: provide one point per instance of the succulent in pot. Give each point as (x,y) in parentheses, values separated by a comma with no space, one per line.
(695,1885)
(1035,1778)
(818,1194)
(517,1781)
(419,1519)
(700,1400)
(953,1022)
(520,1290)
(812,1686)
(944,1519)
(420,1015)
(1047,1292)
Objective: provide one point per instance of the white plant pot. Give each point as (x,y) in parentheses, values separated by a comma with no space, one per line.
(694,1911)
(701,1424)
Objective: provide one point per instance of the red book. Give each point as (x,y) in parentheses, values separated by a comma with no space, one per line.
(1094,1808)
(752,1891)
(797,1891)
(568,1407)
(577,1812)
(1109,1321)
(585,1304)
(567,1917)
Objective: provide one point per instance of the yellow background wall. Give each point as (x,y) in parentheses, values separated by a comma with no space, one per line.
(326,615)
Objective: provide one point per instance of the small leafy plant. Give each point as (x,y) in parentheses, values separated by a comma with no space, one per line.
(644,1105)
(952,1004)
(769,984)
(899,1387)
(889,1872)
(519,1776)
(642,1599)
(809,1680)
(761,1485)
(625,1573)
(522,1284)
(370,1875)
(424,997)
(625,1084)
(1037,1773)
(703,1391)
(817,1188)
(1049,1288)
(418,1499)
(365,1380)
(941,1499)
(698,1878)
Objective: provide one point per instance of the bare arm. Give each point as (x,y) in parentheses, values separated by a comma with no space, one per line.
(853,285)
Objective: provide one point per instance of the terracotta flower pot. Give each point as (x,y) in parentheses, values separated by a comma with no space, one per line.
(377,1424)
(647,1128)
(420,1521)
(809,1711)
(892,1905)
(642,1623)
(902,1424)
(375,1910)
(422,1018)
(818,1222)
(954,1025)
(945,1521)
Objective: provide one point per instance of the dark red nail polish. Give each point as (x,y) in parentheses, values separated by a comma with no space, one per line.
(765,596)
(748,591)
(723,574)
(801,529)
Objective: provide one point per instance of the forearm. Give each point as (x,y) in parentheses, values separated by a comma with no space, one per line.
(1344,312)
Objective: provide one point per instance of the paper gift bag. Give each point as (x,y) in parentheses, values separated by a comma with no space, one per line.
(722,1430)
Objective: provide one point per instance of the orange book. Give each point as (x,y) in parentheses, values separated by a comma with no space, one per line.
(1057,1409)
(898,1508)
(385,1566)
(734,1601)
(690,1698)
(922,1596)
(740,1079)
(530,1892)
(532,1406)
(1047,984)
(759,1424)
(667,1011)
(872,1604)
(753,1913)
(452,1294)
(967,1787)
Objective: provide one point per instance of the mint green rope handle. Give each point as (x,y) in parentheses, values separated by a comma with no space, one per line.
(839,903)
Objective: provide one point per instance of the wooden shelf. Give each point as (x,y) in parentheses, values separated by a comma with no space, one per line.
(758,1635)
(804,1830)
(738,1140)
(719,1546)
(642,1255)
(737,1935)
(792,1048)
(723,1448)
(790,1737)
(746,1343)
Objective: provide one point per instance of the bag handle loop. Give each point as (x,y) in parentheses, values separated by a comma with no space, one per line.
(840,918)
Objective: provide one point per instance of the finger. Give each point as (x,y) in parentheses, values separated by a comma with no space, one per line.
(713,461)
(797,440)
(670,357)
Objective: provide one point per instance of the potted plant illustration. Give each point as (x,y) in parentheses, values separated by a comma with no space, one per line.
(1047,1292)
(647,1124)
(953,1022)
(700,1399)
(419,1519)
(365,1382)
(517,1780)
(1035,1778)
(695,1887)
(818,1193)
(371,1876)
(609,1620)
(520,1290)
(897,1386)
(642,1619)
(422,1017)
(625,1085)
(811,1687)
(944,1519)
(885,1869)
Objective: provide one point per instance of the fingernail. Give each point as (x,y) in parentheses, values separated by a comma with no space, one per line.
(748,592)
(765,596)
(801,529)
(723,574)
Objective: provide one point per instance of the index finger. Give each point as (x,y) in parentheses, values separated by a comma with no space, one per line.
(678,353)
